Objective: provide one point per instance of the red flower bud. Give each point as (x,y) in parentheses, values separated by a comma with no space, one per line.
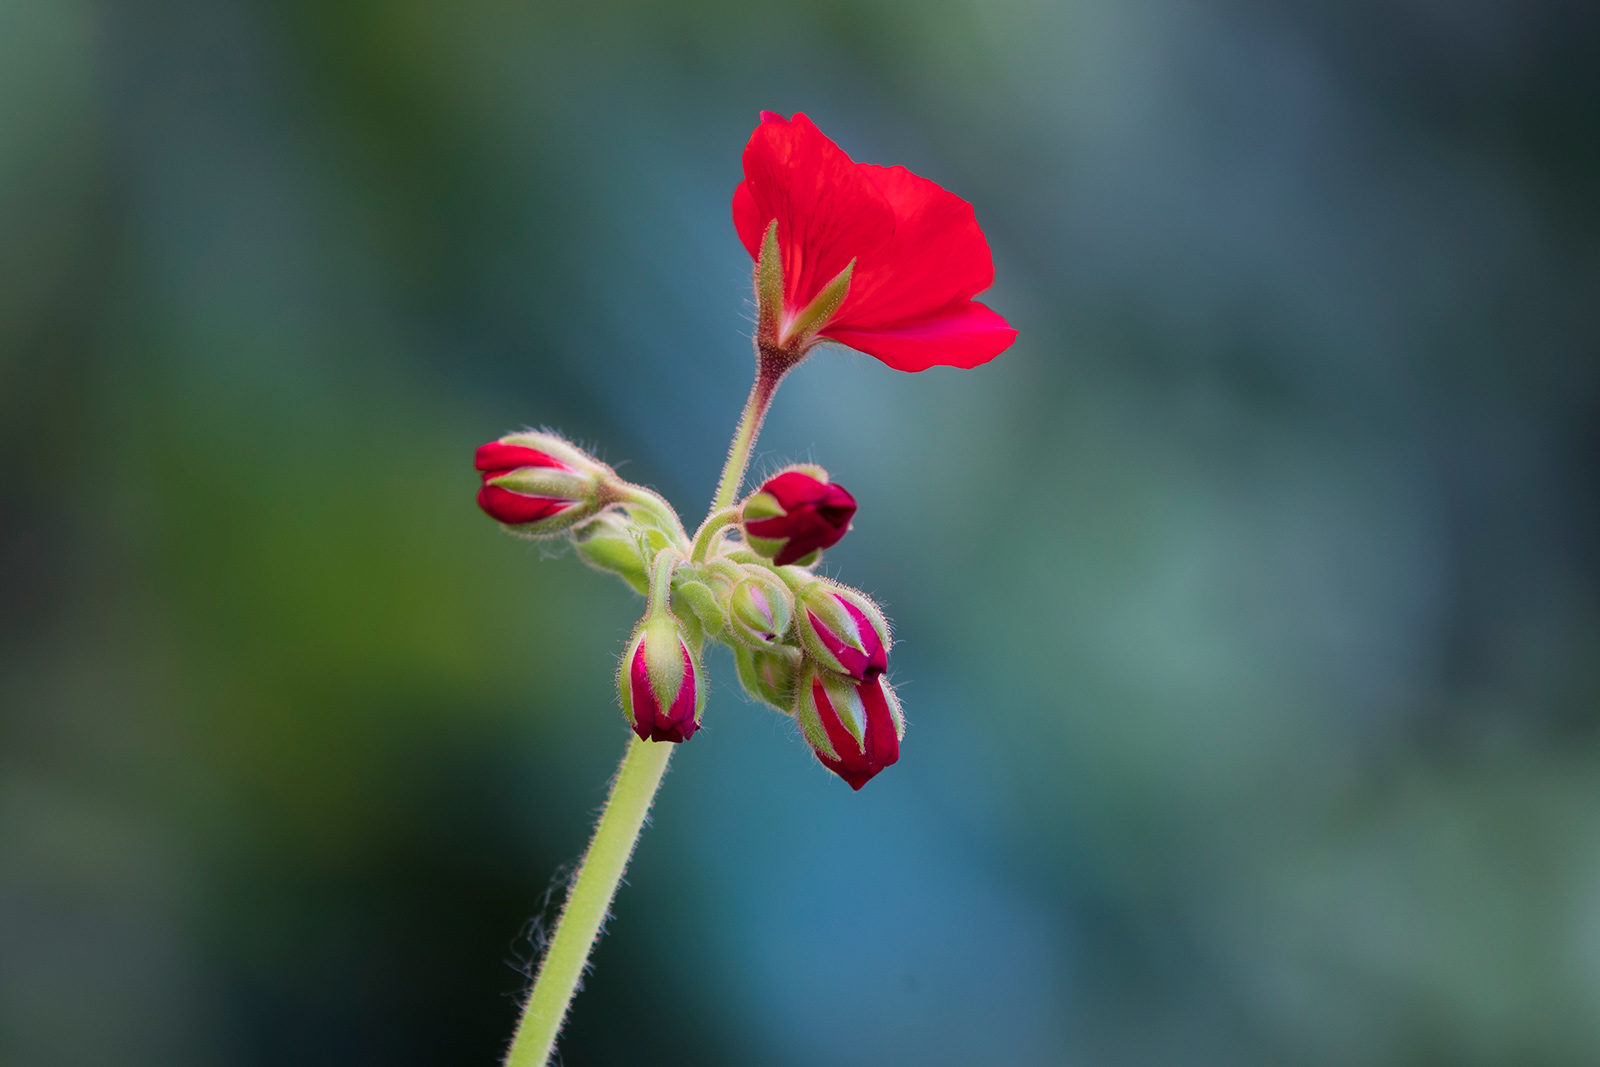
(842,629)
(795,514)
(537,483)
(659,682)
(853,726)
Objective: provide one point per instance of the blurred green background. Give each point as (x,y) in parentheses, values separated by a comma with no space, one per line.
(1249,606)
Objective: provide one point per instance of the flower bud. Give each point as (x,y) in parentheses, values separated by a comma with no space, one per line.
(842,629)
(796,514)
(853,726)
(659,681)
(609,542)
(759,608)
(538,484)
(768,674)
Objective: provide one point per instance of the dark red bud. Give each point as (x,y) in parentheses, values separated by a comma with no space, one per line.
(497,457)
(512,508)
(659,686)
(794,514)
(842,630)
(854,727)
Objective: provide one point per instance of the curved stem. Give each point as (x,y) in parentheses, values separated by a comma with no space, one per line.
(632,792)
(654,508)
(771,366)
(706,536)
(661,569)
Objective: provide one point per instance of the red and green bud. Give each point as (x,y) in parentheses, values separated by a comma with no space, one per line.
(842,629)
(769,674)
(537,484)
(853,726)
(659,681)
(760,608)
(796,514)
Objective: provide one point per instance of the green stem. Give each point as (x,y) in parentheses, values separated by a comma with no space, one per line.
(650,506)
(634,788)
(704,537)
(771,366)
(632,792)
(661,569)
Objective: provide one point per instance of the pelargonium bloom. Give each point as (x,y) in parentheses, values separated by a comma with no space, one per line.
(538,484)
(854,727)
(497,459)
(659,682)
(842,630)
(914,251)
(795,513)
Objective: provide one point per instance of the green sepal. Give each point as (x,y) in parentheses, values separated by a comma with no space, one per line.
(819,311)
(703,605)
(609,542)
(761,506)
(764,546)
(751,624)
(805,710)
(769,285)
(769,674)
(548,482)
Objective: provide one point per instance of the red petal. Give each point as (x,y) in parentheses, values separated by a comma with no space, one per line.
(499,456)
(646,710)
(681,715)
(883,744)
(516,509)
(829,211)
(747,220)
(938,255)
(962,335)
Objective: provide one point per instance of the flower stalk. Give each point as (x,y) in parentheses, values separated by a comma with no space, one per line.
(638,778)
(633,790)
(771,366)
(874,258)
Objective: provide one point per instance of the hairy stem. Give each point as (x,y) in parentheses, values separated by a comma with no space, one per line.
(632,792)
(706,536)
(634,788)
(771,365)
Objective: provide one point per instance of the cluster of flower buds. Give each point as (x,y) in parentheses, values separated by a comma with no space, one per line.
(804,644)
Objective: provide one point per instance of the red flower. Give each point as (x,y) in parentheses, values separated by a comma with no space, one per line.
(919,256)
(795,514)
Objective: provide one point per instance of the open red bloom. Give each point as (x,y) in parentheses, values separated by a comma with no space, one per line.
(919,255)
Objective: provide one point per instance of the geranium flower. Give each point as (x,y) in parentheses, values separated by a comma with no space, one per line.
(913,251)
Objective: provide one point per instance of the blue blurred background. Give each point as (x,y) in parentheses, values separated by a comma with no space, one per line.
(1248,607)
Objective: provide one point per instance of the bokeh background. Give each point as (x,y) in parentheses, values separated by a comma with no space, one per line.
(1249,606)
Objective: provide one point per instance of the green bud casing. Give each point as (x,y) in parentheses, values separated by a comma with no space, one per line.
(769,674)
